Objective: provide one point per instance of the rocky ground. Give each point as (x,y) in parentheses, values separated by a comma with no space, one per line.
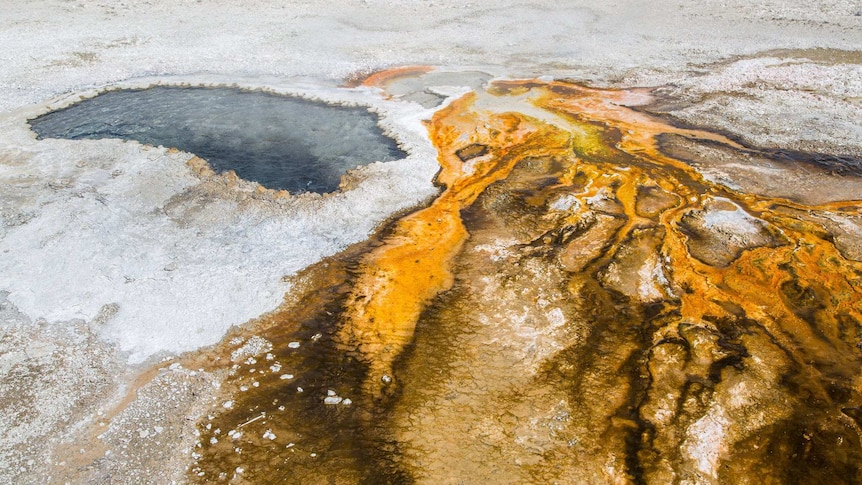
(120,261)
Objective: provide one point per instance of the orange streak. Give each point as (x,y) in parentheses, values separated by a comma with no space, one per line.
(398,279)
(382,78)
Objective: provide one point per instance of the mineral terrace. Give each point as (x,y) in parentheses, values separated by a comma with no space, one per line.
(624,246)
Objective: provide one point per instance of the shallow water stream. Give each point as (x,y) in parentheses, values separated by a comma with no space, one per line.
(577,306)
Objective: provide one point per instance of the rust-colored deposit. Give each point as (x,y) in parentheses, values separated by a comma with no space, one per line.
(580,304)
(397,280)
(381,79)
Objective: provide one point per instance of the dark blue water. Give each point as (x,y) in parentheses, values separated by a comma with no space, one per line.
(282,142)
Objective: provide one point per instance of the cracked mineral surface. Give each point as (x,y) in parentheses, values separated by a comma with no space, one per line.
(625,246)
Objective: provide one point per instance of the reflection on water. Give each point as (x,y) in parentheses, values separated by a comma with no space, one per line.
(282,142)
(577,306)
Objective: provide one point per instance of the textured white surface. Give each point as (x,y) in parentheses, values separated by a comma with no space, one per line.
(121,226)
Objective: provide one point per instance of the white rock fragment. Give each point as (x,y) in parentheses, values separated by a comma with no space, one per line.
(268,434)
(293,345)
(565,202)
(253,347)
(332,400)
(228,404)
(285,377)
(347,402)
(213,440)
(734,222)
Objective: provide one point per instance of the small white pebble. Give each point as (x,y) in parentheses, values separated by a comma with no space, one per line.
(316,337)
(268,434)
(386,379)
(255,384)
(228,404)
(293,345)
(243,388)
(313,455)
(332,400)
(281,408)
(347,402)
(269,356)
(213,440)
(285,377)
(299,389)
(290,445)
(239,470)
(330,393)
